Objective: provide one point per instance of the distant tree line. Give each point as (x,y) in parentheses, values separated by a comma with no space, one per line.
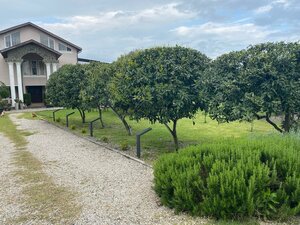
(166,84)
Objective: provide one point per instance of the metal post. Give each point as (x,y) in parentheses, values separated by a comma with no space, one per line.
(67,118)
(91,126)
(53,113)
(91,129)
(138,141)
(138,146)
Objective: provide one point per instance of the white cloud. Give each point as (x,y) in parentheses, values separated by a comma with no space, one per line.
(248,31)
(115,19)
(269,7)
(264,9)
(217,38)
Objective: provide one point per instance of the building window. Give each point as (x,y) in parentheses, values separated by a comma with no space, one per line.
(63,48)
(12,39)
(46,40)
(33,67)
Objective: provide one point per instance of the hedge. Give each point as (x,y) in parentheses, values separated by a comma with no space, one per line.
(233,179)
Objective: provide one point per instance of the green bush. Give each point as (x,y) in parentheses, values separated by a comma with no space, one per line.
(105,139)
(233,179)
(4,105)
(124,146)
(4,91)
(73,127)
(58,120)
(27,99)
(83,131)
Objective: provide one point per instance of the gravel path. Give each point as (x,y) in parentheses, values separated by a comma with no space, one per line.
(10,192)
(112,189)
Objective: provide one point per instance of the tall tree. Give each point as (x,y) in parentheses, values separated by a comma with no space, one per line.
(96,92)
(260,82)
(159,84)
(64,88)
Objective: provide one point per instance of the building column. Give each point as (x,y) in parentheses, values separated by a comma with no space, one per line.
(48,70)
(54,65)
(20,84)
(12,83)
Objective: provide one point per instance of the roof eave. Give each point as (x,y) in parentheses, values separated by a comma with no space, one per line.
(79,49)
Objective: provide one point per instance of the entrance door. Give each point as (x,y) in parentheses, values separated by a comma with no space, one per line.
(36,93)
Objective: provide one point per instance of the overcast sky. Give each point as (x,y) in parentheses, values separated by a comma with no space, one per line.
(105,29)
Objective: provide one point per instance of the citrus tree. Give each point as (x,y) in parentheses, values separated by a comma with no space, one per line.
(96,93)
(160,84)
(261,82)
(64,88)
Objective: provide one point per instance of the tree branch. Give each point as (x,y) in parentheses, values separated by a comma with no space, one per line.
(273,124)
(167,126)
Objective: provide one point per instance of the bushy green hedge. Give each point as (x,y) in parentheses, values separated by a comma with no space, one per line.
(233,178)
(27,99)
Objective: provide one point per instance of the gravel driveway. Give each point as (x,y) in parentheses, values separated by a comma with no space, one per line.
(9,191)
(112,189)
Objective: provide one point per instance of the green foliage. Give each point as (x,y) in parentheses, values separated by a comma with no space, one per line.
(233,179)
(4,91)
(159,84)
(27,99)
(64,88)
(261,82)
(124,146)
(96,91)
(4,105)
(83,131)
(105,139)
(58,119)
(73,127)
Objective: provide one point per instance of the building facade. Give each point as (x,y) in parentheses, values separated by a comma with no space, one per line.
(29,55)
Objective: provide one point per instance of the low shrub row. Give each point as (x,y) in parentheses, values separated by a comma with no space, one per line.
(233,179)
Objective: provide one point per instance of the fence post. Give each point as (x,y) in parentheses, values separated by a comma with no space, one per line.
(67,118)
(53,113)
(138,141)
(91,126)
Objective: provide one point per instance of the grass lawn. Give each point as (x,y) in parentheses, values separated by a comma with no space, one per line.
(159,140)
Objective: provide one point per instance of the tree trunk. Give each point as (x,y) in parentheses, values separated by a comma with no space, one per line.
(174,134)
(286,125)
(122,118)
(82,114)
(100,116)
(252,126)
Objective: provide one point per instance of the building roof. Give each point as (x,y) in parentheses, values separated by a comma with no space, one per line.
(41,29)
(6,50)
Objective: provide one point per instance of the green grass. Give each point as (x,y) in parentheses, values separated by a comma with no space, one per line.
(9,129)
(159,140)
